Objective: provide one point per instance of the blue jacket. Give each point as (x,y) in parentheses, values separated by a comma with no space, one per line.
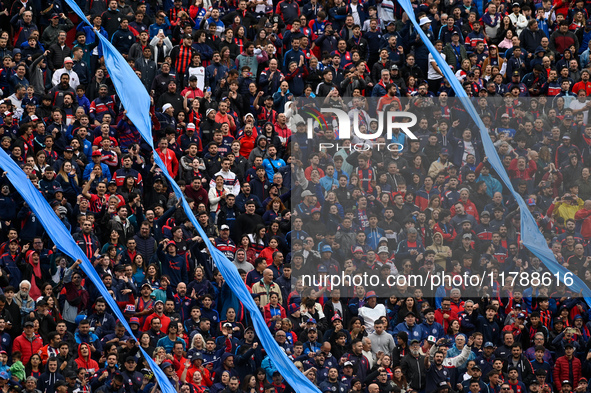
(435,329)
(459,152)
(415,332)
(175,267)
(89,167)
(374,236)
(492,184)
(122,40)
(90,35)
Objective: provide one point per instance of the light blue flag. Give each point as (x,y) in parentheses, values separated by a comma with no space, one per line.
(136,101)
(531,236)
(63,240)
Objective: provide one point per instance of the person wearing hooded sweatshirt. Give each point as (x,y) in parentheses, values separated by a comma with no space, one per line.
(47,380)
(173,265)
(226,364)
(84,360)
(8,263)
(259,151)
(28,262)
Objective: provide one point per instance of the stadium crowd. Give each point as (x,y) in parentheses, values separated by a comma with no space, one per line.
(233,84)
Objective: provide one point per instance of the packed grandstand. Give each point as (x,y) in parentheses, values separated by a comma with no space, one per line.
(381,260)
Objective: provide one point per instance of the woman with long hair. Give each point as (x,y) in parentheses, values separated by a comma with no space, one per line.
(249,384)
(273,311)
(411,86)
(465,69)
(559,105)
(453,330)
(128,187)
(198,13)
(34,367)
(240,37)
(274,231)
(261,377)
(356,328)
(193,114)
(217,197)
(434,204)
(274,209)
(399,379)
(246,245)
(68,179)
(138,266)
(261,39)
(226,59)
(144,342)
(257,239)
(152,276)
(53,306)
(41,158)
(409,305)
(505,33)
(197,344)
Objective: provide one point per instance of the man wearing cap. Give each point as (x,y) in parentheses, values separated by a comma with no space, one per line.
(454,52)
(371,311)
(421,50)
(58,22)
(517,18)
(327,261)
(359,362)
(441,164)
(192,91)
(567,367)
(132,379)
(28,343)
(67,69)
(413,366)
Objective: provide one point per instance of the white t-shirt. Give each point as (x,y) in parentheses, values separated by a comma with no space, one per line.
(576,105)
(199,72)
(468,149)
(431,73)
(370,315)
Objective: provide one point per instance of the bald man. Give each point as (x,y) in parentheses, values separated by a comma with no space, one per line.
(265,287)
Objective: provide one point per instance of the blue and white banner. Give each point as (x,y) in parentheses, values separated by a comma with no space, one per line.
(63,240)
(136,101)
(531,236)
